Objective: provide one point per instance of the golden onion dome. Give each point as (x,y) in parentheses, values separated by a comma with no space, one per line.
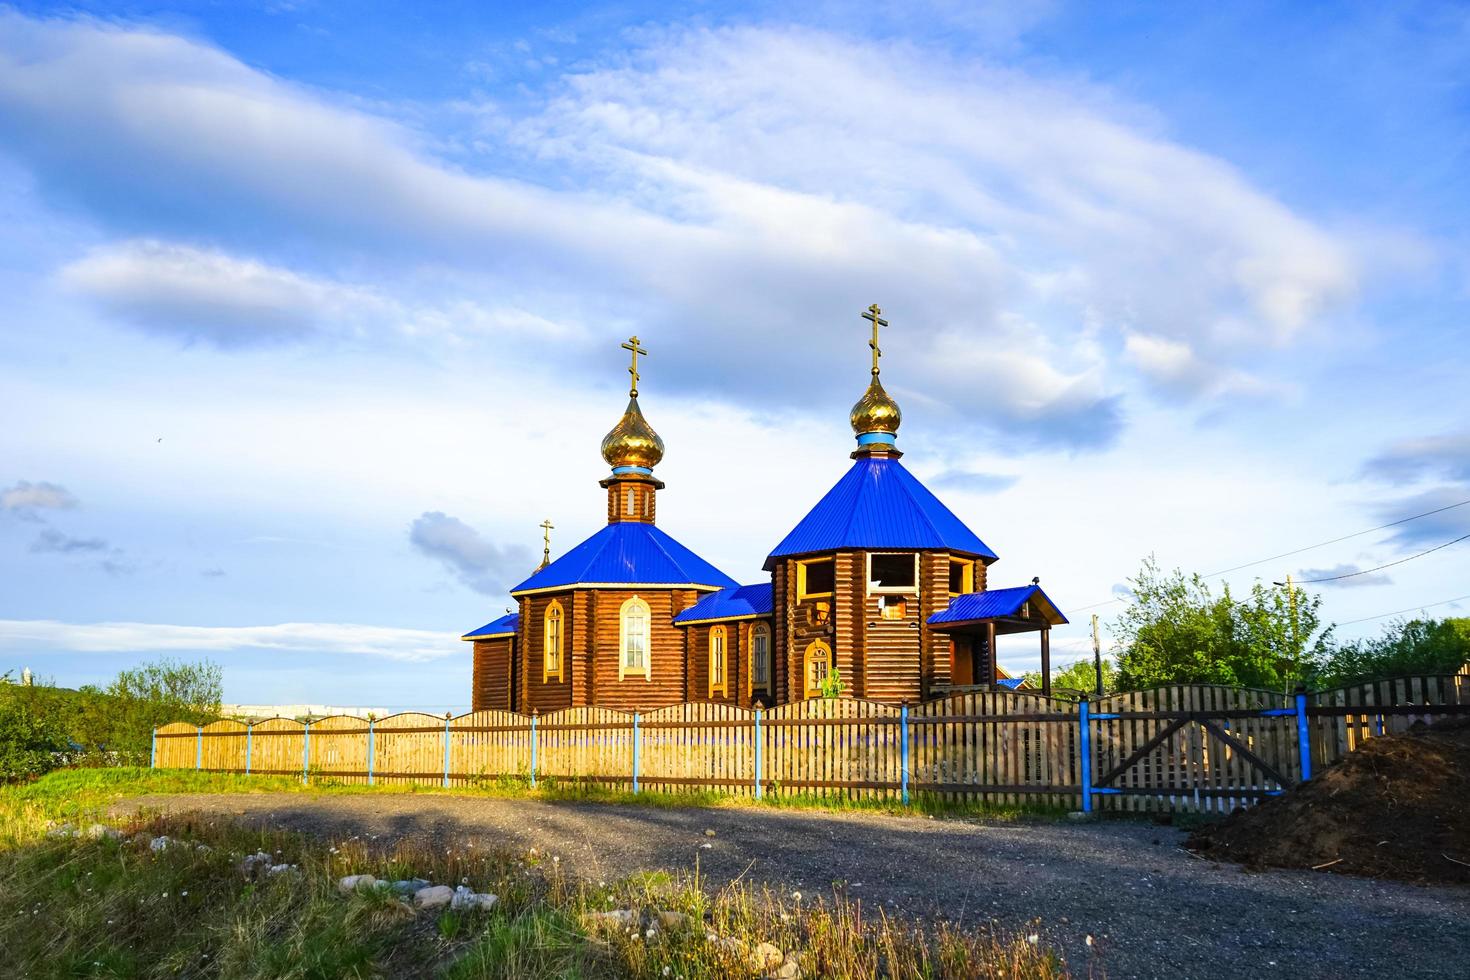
(632,442)
(875,411)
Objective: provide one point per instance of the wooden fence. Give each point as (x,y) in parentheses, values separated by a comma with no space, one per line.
(1180,747)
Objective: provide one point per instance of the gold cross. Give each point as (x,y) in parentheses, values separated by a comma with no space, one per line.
(632,345)
(546,529)
(878,321)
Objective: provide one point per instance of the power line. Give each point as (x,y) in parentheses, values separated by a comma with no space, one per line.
(1320,544)
(1400,612)
(1337,578)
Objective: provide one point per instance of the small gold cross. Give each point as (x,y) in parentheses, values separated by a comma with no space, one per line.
(878,321)
(632,345)
(546,528)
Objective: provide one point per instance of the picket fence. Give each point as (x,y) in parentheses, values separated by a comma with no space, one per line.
(1180,747)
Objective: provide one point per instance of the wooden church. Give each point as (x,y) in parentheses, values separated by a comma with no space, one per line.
(879,592)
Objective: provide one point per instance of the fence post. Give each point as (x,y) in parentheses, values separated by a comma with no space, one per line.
(1084,751)
(305,748)
(446,750)
(249,728)
(534,712)
(153,751)
(198,747)
(637,739)
(370,751)
(1303,733)
(903,752)
(758,741)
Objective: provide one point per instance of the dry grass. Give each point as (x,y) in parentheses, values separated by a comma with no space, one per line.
(74,906)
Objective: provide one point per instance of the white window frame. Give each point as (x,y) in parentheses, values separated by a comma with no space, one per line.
(553,642)
(874,589)
(624,668)
(760,631)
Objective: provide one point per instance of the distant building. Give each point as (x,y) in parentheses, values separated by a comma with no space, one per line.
(880,582)
(262,711)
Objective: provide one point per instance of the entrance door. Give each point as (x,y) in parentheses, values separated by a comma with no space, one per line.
(961,661)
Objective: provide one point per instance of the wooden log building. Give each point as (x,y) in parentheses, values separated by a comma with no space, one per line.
(880,592)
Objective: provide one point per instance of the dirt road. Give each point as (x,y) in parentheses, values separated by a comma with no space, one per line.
(1153,909)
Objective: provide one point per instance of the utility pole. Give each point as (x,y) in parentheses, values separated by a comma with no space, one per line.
(1294,656)
(1097,655)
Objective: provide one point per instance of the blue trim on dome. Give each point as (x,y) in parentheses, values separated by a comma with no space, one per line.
(620,470)
(868,438)
(628,553)
(504,626)
(743,601)
(878,505)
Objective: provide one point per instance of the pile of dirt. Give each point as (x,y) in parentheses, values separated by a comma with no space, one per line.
(1398,807)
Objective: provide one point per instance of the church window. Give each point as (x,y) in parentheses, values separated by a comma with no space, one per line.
(632,502)
(961,576)
(816,578)
(760,657)
(553,639)
(718,662)
(818,665)
(893,573)
(633,639)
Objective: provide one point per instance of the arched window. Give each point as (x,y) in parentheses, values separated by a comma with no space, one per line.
(760,658)
(633,621)
(719,674)
(553,633)
(818,663)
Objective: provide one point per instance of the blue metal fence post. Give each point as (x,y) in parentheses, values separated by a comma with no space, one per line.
(903,739)
(249,728)
(637,748)
(305,749)
(534,712)
(758,740)
(1303,734)
(446,750)
(370,751)
(1084,751)
(199,747)
(153,751)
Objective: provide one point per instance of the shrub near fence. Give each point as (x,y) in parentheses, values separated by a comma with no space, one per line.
(1179,747)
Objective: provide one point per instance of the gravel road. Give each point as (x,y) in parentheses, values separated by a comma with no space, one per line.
(1153,909)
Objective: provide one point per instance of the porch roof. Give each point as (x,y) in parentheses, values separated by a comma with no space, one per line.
(1003,606)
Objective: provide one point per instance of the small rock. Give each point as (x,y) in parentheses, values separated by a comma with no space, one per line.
(766,956)
(471,900)
(433,897)
(1079,816)
(252,864)
(614,918)
(62,830)
(408,886)
(159,843)
(709,832)
(202,847)
(100,830)
(352,883)
(278,869)
(706,846)
(673,920)
(789,969)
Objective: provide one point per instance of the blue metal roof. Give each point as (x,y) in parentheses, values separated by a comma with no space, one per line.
(993,603)
(879,504)
(504,626)
(1010,682)
(628,553)
(741,601)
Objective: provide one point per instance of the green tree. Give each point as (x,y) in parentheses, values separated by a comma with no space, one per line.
(1176,630)
(1077,677)
(1414,646)
(121,719)
(33,734)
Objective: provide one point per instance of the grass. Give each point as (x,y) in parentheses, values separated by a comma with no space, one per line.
(80,907)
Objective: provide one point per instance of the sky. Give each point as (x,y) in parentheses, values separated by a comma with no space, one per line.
(311,312)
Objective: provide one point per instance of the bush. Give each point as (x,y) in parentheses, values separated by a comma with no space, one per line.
(1415,646)
(33,735)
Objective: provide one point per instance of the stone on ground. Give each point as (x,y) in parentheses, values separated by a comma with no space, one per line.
(433,897)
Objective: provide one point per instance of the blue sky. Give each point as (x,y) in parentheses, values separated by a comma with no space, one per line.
(312,311)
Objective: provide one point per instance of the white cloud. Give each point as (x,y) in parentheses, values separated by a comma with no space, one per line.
(1177,370)
(315,638)
(746,182)
(26,498)
(475,561)
(1340,572)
